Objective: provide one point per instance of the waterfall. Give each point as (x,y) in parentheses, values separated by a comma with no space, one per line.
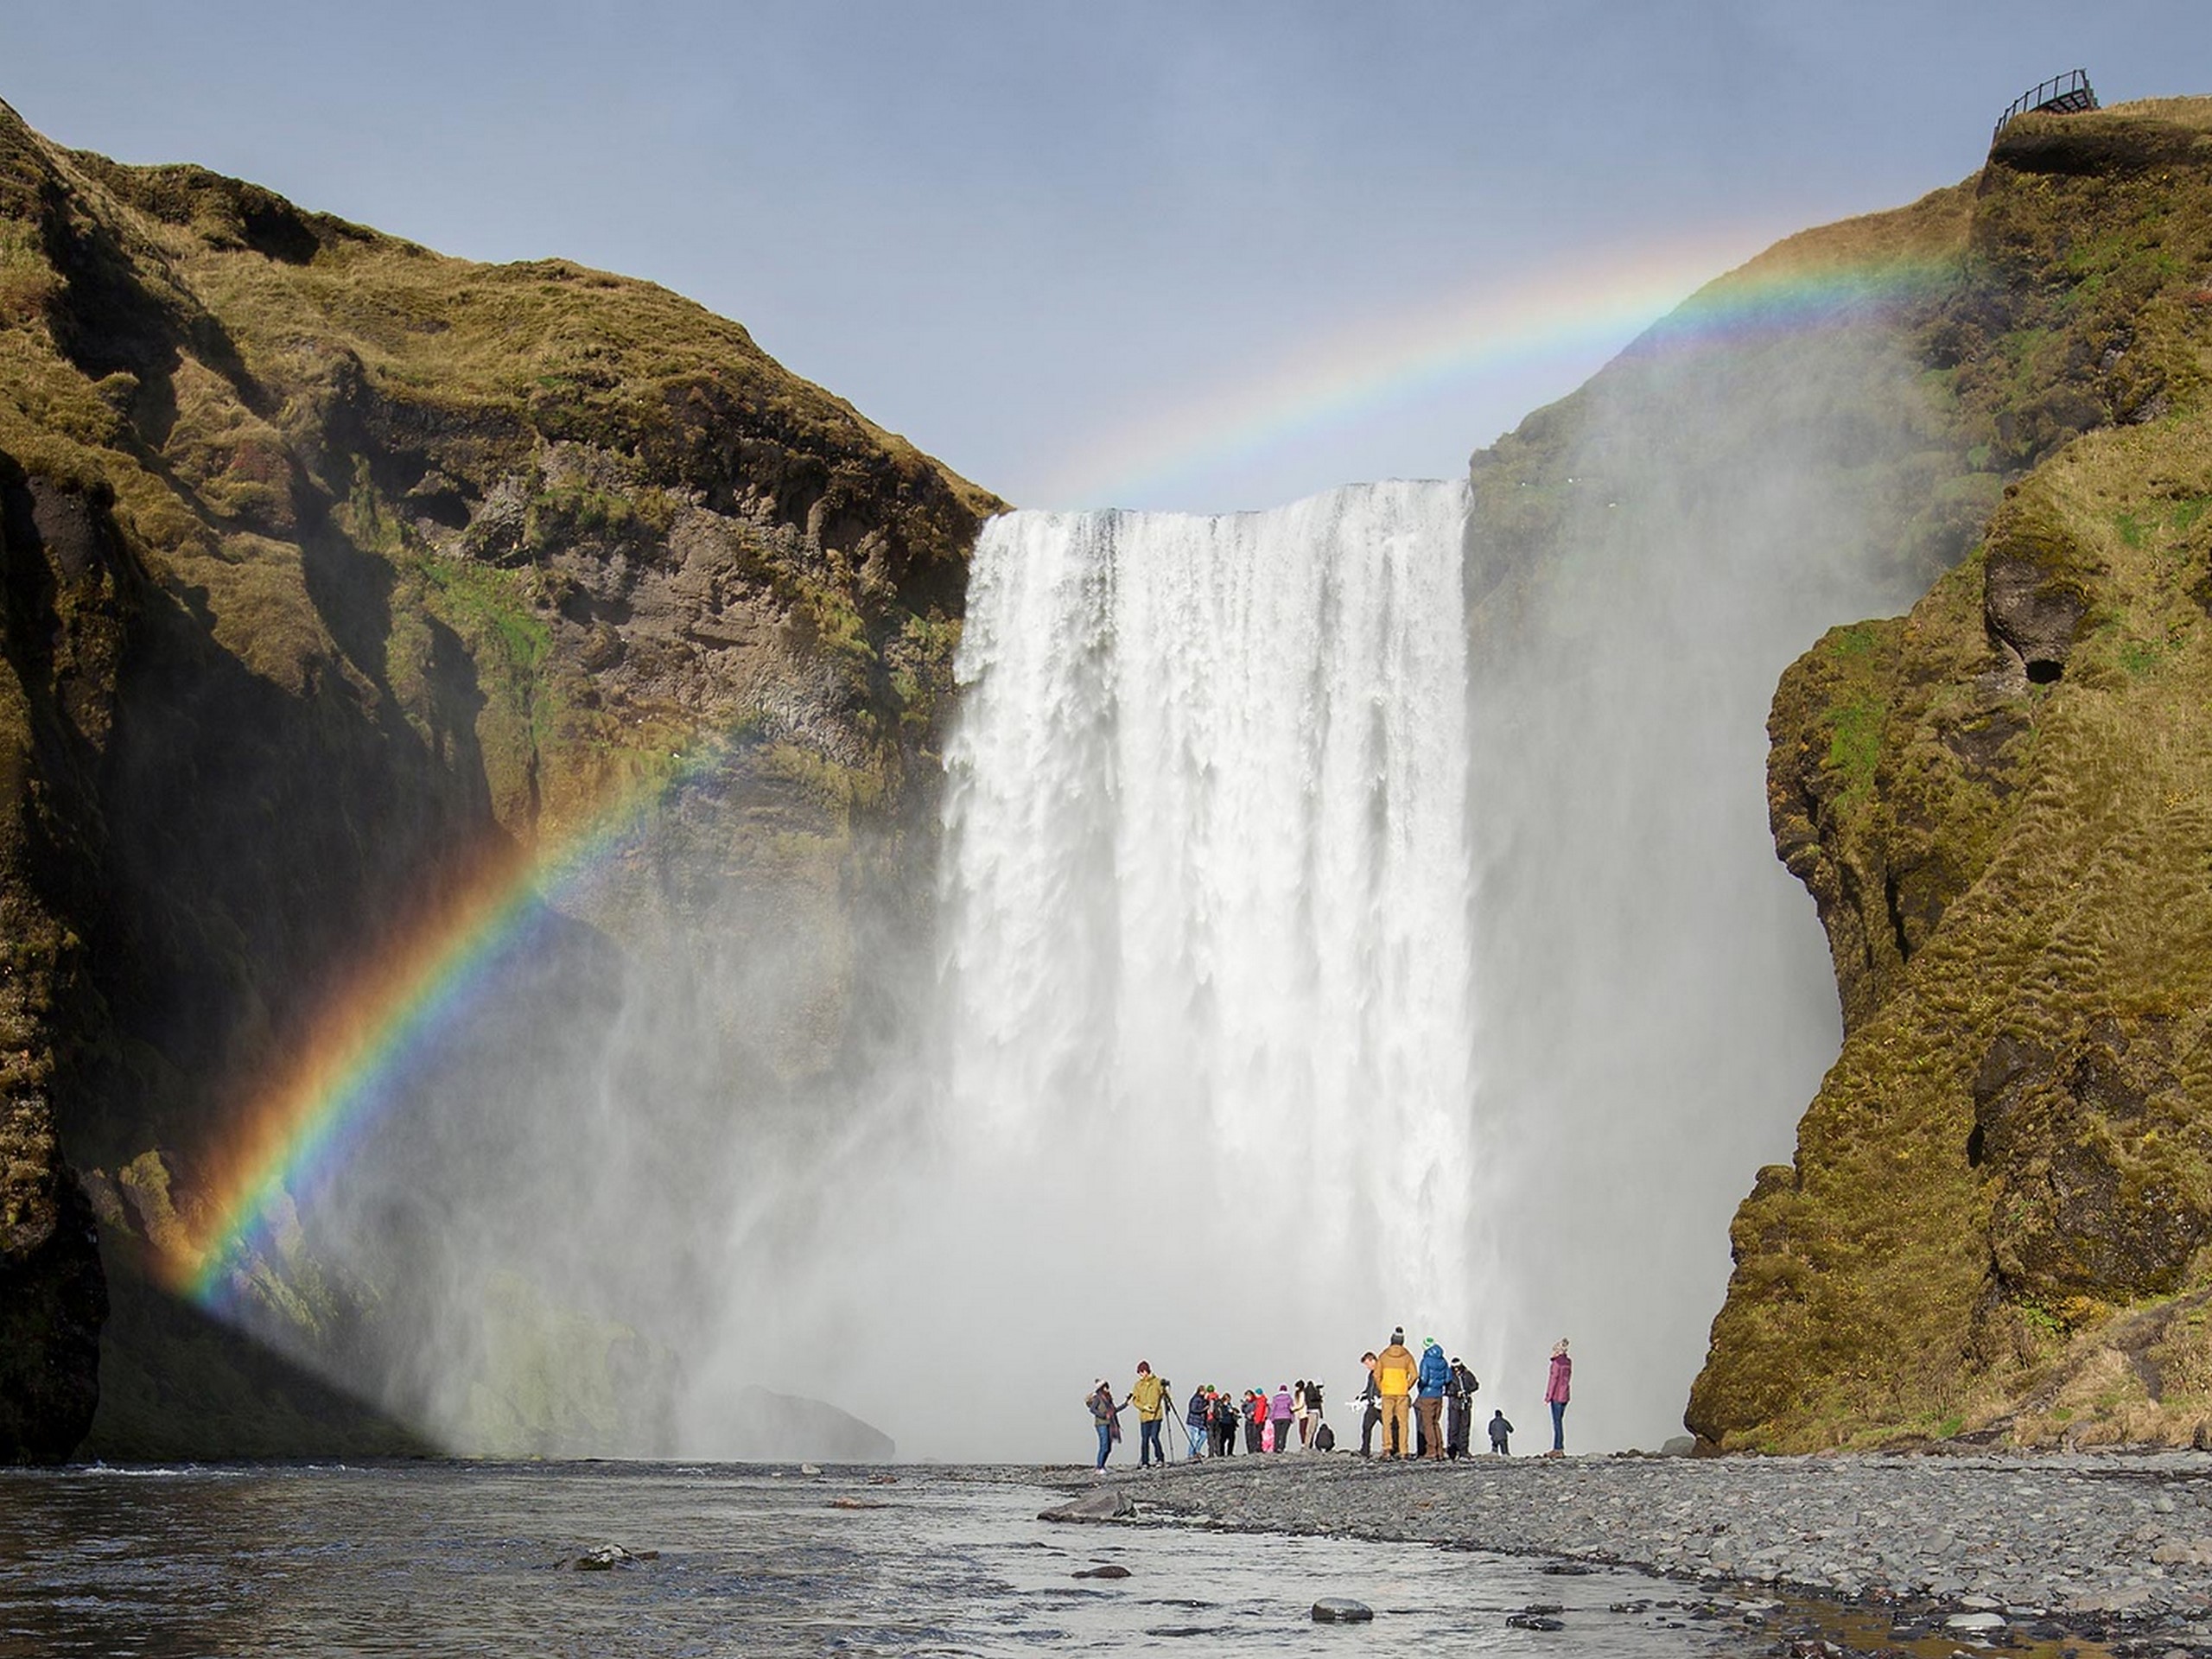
(1206,912)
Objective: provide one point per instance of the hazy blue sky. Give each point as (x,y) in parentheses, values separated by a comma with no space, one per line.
(1190,254)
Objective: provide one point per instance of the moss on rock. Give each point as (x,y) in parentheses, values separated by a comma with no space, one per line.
(1999,1214)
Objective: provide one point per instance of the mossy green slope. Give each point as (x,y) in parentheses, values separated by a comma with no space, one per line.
(1997,1218)
(336,568)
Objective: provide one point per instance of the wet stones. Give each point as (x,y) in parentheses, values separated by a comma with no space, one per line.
(1092,1507)
(605,1558)
(1341,1609)
(2061,1536)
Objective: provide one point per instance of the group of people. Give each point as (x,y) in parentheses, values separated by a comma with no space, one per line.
(1214,1418)
(1423,1404)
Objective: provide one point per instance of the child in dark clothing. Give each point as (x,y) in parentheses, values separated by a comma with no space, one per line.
(1499,1428)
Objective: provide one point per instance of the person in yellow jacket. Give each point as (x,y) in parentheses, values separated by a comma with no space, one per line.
(1148,1393)
(1394,1370)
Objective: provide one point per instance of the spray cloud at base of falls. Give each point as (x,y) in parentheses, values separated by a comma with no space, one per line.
(1207,1075)
(1320,944)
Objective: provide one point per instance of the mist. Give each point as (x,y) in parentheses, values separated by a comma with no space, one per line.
(1343,917)
(1655,1005)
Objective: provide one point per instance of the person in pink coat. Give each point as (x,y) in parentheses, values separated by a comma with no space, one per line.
(1555,1393)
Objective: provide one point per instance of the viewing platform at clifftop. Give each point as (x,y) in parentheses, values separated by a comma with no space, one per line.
(2066,94)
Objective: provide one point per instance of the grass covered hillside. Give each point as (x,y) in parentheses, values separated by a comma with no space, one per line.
(1998,1221)
(336,568)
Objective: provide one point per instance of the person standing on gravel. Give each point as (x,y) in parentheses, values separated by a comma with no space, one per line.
(1499,1428)
(1435,1377)
(1460,1396)
(1371,1403)
(1393,1381)
(1555,1394)
(1199,1420)
(1149,1396)
(1107,1416)
(1281,1410)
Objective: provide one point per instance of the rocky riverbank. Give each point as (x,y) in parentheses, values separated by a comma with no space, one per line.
(2019,1540)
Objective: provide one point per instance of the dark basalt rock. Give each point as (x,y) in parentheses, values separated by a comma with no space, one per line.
(1092,1506)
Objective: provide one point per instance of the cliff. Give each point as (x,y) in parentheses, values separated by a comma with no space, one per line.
(1997,1221)
(337,570)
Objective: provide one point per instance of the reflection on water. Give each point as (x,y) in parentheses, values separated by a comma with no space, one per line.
(448,1559)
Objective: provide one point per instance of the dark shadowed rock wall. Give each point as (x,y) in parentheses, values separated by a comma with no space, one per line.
(338,571)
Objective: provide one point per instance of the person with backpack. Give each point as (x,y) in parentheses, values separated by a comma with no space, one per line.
(1459,1398)
(1435,1373)
(1255,1420)
(1393,1379)
(1499,1428)
(1107,1416)
(1199,1417)
(1224,1424)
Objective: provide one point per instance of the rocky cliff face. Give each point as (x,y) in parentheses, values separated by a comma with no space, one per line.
(1998,1220)
(335,569)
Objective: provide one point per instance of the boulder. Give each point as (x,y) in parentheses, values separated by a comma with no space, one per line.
(1092,1506)
(1341,1609)
(605,1558)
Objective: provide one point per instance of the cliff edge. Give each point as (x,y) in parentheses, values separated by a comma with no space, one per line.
(1997,1224)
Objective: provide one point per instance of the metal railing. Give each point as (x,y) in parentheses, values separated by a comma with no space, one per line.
(2066,94)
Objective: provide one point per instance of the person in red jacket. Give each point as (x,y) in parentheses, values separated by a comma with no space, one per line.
(1555,1393)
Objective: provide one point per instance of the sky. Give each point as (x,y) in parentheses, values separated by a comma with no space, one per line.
(1204,255)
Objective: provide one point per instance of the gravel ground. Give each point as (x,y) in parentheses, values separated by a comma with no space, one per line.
(2081,1537)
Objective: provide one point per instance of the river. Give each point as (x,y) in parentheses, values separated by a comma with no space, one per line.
(437,1559)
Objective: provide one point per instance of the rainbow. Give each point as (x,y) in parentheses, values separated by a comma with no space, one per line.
(301,1128)
(392,1013)
(1577,319)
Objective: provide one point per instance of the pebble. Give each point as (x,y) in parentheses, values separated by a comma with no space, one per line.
(2043,1536)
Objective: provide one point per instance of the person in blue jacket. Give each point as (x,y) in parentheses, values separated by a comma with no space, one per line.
(1428,1398)
(1199,1420)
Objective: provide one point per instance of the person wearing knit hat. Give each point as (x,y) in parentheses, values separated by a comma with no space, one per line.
(1435,1375)
(1106,1416)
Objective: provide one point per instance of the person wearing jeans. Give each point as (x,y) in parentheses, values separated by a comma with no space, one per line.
(1199,1417)
(1555,1394)
(1107,1415)
(1149,1396)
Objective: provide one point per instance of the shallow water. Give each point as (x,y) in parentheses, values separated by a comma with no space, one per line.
(449,1559)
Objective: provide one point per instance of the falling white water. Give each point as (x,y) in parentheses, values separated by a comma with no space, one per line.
(1206,905)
